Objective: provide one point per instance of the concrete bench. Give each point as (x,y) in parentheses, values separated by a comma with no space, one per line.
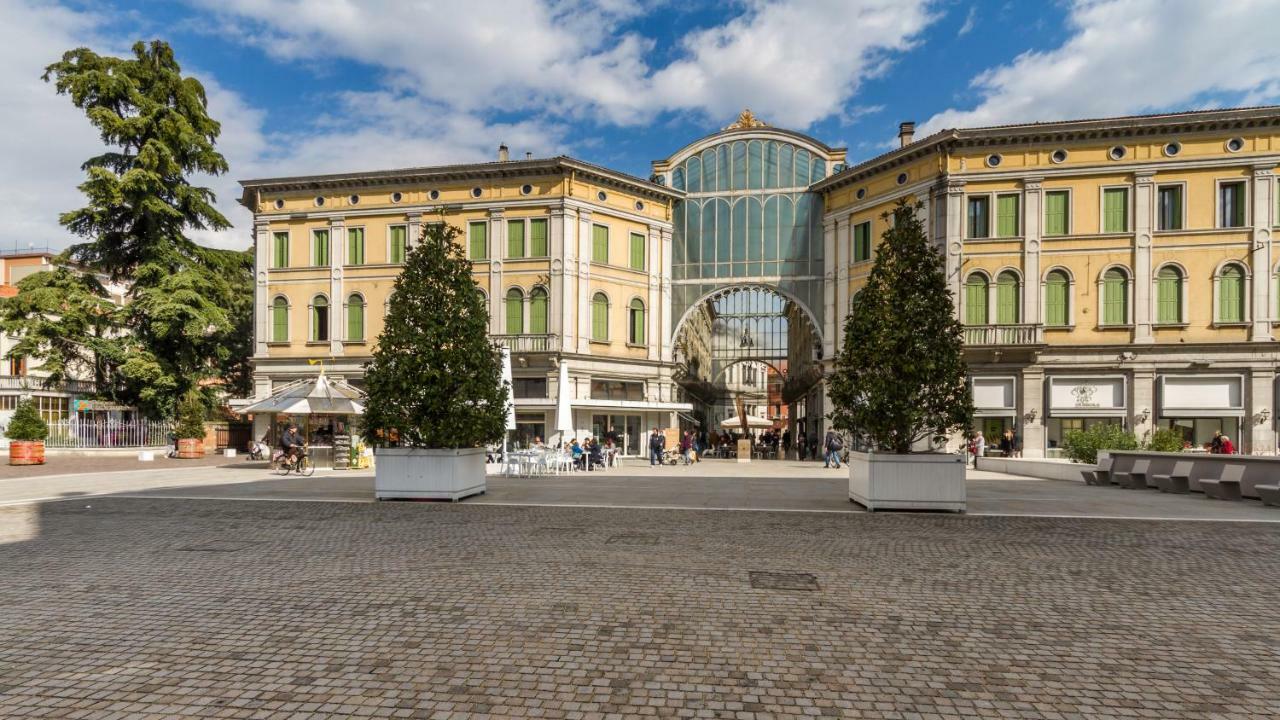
(1270,494)
(1177,481)
(1135,479)
(1101,476)
(1226,486)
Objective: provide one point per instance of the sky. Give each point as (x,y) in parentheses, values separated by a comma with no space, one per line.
(315,86)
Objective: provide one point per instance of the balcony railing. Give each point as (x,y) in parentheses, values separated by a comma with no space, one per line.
(36,383)
(529,343)
(1004,335)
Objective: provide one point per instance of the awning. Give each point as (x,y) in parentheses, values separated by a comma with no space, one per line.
(318,396)
(753,422)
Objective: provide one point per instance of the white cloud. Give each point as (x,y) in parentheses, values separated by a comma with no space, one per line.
(970,22)
(1135,56)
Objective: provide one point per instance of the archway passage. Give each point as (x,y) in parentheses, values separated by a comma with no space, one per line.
(751,351)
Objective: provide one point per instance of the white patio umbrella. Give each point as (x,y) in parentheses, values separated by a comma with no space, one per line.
(310,397)
(564,412)
(511,405)
(753,421)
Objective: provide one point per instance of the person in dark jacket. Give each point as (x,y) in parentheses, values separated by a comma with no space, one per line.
(831,447)
(657,443)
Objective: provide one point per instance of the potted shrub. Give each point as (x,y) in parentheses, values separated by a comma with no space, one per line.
(435,391)
(1084,446)
(899,387)
(26,433)
(190,427)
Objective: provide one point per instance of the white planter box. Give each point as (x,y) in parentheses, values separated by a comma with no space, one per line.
(423,474)
(918,481)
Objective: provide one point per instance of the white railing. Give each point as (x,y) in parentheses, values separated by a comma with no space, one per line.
(36,384)
(527,343)
(109,434)
(1024,334)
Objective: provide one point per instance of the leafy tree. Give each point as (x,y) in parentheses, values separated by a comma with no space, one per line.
(901,376)
(435,380)
(186,309)
(191,414)
(1082,446)
(26,423)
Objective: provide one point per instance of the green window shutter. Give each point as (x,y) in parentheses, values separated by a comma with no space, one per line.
(538,312)
(1055,299)
(515,312)
(1006,215)
(1115,210)
(398,235)
(637,323)
(599,244)
(515,238)
(1007,299)
(479,240)
(599,318)
(1169,296)
(280,250)
(538,237)
(1055,212)
(355,318)
(355,246)
(1231,295)
(1115,298)
(320,247)
(975,301)
(637,251)
(280,320)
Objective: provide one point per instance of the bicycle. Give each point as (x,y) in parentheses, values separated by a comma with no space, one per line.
(300,463)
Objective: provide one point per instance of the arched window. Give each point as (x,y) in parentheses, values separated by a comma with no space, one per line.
(1008,298)
(1057,299)
(319,319)
(538,311)
(600,317)
(635,322)
(1231,294)
(515,311)
(975,300)
(280,319)
(1115,297)
(355,317)
(1169,295)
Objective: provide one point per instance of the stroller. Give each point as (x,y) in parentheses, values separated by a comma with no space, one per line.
(258,451)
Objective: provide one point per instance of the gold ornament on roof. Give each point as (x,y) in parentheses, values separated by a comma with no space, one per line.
(747,119)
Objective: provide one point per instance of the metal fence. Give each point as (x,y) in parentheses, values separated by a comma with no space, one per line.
(109,434)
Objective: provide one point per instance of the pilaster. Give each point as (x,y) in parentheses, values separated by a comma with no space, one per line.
(1261,258)
(954,241)
(1032,199)
(844,258)
(1032,431)
(584,282)
(653,302)
(665,289)
(414,232)
(563,300)
(497,295)
(1260,432)
(1142,403)
(261,300)
(337,259)
(1143,220)
(829,289)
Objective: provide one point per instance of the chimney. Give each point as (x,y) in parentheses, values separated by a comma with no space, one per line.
(528,156)
(503,154)
(906,131)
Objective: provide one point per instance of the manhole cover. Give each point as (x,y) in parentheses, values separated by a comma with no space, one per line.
(783,581)
(633,539)
(219,546)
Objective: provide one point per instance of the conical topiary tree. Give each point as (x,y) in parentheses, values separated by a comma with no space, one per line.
(435,380)
(26,424)
(900,376)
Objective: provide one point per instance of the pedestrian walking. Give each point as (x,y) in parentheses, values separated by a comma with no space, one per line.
(832,446)
(978,446)
(657,442)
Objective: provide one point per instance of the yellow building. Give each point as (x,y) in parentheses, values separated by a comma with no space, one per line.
(1116,270)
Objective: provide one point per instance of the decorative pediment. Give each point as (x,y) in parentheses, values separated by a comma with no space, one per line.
(747,119)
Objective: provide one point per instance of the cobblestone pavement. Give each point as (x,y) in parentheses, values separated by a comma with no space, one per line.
(159,608)
(57,463)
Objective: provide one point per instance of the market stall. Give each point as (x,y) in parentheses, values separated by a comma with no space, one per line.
(327,413)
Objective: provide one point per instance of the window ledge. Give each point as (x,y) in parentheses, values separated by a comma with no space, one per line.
(1060,327)
(1124,326)
(1170,326)
(318,343)
(354,342)
(637,345)
(279,343)
(1231,324)
(601,342)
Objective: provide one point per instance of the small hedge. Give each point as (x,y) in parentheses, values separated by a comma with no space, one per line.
(191,419)
(26,424)
(1082,446)
(1165,440)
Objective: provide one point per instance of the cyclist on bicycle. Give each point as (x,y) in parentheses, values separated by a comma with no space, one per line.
(291,443)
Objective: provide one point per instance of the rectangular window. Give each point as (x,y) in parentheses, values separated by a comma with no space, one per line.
(599,244)
(399,235)
(1231,204)
(280,250)
(319,247)
(637,251)
(8,402)
(17,365)
(52,409)
(1115,210)
(1169,215)
(1057,205)
(355,246)
(479,240)
(538,237)
(862,242)
(1006,216)
(616,390)
(515,238)
(979,217)
(530,388)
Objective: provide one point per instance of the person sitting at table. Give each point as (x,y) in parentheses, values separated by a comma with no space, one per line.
(576,451)
(595,454)
(610,451)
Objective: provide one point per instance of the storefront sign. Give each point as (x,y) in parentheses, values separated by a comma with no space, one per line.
(994,396)
(1201,395)
(1086,396)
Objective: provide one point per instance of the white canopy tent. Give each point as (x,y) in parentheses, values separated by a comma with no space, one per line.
(753,423)
(315,396)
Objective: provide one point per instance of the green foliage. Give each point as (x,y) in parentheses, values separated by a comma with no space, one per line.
(435,380)
(1082,446)
(26,423)
(1164,440)
(191,414)
(901,375)
(190,312)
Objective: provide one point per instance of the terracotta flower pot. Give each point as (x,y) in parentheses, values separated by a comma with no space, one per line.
(26,452)
(190,448)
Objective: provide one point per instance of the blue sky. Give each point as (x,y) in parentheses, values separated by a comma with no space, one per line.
(305,86)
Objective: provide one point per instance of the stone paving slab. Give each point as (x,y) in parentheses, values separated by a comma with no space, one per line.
(151,608)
